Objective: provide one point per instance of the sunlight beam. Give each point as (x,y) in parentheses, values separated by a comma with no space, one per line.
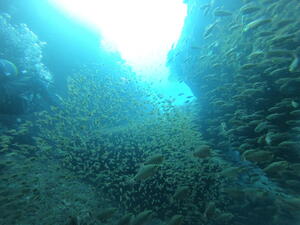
(142,31)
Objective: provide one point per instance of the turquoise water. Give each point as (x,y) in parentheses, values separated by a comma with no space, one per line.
(194,119)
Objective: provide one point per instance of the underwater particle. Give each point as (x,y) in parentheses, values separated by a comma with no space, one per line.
(294,104)
(288,144)
(290,86)
(276,167)
(257,155)
(248,66)
(256,54)
(284,23)
(224,217)
(106,214)
(73,220)
(176,220)
(265,33)
(125,220)
(249,8)
(278,72)
(230,51)
(231,171)
(293,184)
(7,69)
(257,93)
(268,138)
(295,167)
(256,23)
(279,53)
(295,113)
(146,172)
(274,109)
(262,127)
(234,27)
(275,116)
(181,193)
(292,203)
(209,29)
(142,218)
(295,129)
(210,210)
(203,151)
(204,6)
(281,39)
(295,65)
(155,159)
(206,10)
(222,13)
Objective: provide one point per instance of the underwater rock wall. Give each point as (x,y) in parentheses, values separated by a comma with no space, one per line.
(244,68)
(21,46)
(30,88)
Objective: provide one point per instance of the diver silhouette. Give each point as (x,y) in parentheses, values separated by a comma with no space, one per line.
(20,92)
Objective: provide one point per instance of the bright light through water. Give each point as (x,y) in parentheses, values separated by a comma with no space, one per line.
(143,31)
